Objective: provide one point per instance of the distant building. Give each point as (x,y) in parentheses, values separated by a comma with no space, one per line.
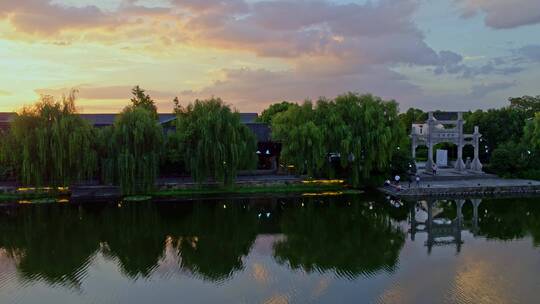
(267,150)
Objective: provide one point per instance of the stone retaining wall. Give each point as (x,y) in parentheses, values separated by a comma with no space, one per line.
(462,191)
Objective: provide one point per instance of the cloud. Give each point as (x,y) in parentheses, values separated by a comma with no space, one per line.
(481,90)
(503,14)
(323,47)
(41,16)
(103,92)
(253,90)
(529,52)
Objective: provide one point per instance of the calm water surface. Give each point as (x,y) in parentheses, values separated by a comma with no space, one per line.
(351,249)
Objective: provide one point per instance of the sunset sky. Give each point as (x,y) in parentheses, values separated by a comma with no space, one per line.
(433,54)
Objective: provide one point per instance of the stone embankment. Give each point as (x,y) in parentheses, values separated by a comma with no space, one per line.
(468,187)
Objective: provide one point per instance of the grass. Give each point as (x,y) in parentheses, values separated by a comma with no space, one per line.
(298,188)
(307,188)
(6,197)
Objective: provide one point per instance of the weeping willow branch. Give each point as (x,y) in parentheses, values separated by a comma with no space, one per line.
(49,144)
(135,144)
(214,142)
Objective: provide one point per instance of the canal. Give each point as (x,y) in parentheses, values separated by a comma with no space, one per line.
(309,249)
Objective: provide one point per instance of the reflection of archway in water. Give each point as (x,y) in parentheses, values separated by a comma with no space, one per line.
(441,231)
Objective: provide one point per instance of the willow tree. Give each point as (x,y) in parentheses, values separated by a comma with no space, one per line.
(374,134)
(214,142)
(134,150)
(364,130)
(6,156)
(303,142)
(51,144)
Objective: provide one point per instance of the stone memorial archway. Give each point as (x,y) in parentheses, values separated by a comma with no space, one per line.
(446,127)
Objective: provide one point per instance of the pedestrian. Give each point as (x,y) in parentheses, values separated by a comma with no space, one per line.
(397,178)
(417,181)
(434,169)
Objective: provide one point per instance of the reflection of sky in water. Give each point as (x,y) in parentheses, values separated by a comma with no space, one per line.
(484,271)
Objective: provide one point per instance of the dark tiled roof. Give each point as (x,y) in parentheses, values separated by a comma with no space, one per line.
(248,117)
(5,117)
(261,130)
(108,119)
(5,120)
(100,119)
(445,115)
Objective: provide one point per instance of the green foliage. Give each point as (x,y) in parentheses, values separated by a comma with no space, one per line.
(509,160)
(302,139)
(532,133)
(7,169)
(50,144)
(530,105)
(363,129)
(134,149)
(412,116)
(496,125)
(273,110)
(213,142)
(143,100)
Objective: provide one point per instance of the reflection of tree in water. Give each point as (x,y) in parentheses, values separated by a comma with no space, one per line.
(56,243)
(510,219)
(353,240)
(134,234)
(214,239)
(53,243)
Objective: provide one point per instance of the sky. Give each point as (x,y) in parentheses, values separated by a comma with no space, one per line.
(430,54)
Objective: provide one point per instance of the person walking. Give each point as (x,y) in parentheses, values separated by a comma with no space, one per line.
(417,181)
(397,178)
(434,169)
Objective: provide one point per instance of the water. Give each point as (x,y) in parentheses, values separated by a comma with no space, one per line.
(350,249)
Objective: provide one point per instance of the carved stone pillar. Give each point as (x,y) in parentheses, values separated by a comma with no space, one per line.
(430,140)
(476,165)
(460,165)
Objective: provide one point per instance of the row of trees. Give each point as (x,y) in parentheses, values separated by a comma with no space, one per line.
(49,144)
(360,137)
(357,135)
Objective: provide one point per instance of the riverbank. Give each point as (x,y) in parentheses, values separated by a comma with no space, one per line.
(172,190)
(469,187)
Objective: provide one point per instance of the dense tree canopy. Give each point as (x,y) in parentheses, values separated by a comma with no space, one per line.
(49,144)
(134,150)
(302,139)
(528,104)
(362,129)
(497,125)
(213,141)
(532,133)
(273,109)
(412,116)
(142,100)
